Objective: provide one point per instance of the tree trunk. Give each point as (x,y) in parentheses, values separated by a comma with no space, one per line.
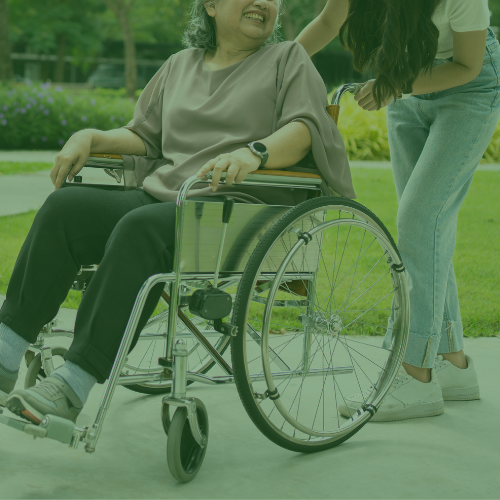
(61,52)
(121,9)
(289,29)
(6,72)
(130,58)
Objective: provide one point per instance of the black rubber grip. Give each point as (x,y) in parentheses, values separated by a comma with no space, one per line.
(227,210)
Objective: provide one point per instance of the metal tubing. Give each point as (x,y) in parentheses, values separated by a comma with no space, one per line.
(123,351)
(180,370)
(354,88)
(307,328)
(219,256)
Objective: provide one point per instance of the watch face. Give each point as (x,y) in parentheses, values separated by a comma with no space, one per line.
(259,147)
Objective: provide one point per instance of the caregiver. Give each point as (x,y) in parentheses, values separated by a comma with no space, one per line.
(436,65)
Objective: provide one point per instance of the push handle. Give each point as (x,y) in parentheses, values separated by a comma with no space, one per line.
(227,210)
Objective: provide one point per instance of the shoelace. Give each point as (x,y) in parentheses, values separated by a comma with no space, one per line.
(47,388)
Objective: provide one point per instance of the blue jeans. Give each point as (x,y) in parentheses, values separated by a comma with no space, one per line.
(436,142)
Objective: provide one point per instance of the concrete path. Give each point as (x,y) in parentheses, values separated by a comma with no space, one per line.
(451,456)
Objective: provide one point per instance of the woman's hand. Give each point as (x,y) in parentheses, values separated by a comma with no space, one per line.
(238,164)
(73,156)
(366,100)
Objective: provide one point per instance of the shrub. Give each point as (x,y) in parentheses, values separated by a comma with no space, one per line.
(365,133)
(45,116)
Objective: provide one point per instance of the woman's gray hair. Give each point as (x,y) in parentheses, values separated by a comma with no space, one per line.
(201,30)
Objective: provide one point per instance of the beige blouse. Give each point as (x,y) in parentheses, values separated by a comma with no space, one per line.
(189,114)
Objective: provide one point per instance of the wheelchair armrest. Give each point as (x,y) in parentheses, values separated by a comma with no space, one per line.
(114,166)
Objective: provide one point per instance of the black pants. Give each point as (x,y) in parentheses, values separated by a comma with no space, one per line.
(130,234)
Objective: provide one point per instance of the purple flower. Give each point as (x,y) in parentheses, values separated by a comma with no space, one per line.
(92,101)
(40,95)
(25,94)
(46,112)
(28,106)
(42,106)
(60,142)
(1,115)
(5,108)
(84,118)
(45,85)
(69,101)
(112,118)
(122,119)
(64,122)
(4,122)
(16,110)
(44,139)
(50,100)
(58,88)
(23,111)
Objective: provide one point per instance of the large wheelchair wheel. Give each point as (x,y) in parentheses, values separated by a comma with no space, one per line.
(315,297)
(143,358)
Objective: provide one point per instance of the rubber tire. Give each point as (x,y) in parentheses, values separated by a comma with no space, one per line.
(35,367)
(182,447)
(245,290)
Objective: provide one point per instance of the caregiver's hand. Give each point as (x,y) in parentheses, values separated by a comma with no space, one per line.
(238,164)
(366,100)
(73,156)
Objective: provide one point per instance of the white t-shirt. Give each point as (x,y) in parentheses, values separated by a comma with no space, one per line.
(458,15)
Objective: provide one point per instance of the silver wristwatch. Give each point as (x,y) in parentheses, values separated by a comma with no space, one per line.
(260,150)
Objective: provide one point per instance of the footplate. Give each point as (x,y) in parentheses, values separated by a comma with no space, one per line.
(52,427)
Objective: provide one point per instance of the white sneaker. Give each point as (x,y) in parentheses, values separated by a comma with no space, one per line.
(457,384)
(407,398)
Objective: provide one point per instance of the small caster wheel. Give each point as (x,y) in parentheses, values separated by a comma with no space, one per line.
(36,373)
(184,454)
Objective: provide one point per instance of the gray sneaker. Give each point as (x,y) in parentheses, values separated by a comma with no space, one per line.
(8,381)
(53,396)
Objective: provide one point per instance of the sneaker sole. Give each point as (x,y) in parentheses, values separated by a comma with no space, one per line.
(3,398)
(420,411)
(20,407)
(461,394)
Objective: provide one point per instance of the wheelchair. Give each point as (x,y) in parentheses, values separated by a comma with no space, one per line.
(299,294)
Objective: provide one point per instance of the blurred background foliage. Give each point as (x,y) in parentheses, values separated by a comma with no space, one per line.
(81,47)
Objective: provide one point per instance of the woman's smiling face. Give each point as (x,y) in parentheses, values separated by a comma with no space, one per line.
(249,21)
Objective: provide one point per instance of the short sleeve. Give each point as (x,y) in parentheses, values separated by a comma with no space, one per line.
(468,15)
(147,121)
(302,97)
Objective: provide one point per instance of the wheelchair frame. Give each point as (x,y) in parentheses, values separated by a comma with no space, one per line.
(175,361)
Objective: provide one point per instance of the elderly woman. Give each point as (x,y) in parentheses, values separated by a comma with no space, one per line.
(204,110)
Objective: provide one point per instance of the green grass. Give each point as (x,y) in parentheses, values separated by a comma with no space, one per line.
(9,168)
(475,259)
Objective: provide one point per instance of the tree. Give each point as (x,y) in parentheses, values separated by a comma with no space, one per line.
(57,26)
(297,14)
(121,9)
(6,72)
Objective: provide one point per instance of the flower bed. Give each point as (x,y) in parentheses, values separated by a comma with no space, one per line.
(45,116)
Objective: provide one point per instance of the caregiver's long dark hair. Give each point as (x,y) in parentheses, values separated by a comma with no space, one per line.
(396,37)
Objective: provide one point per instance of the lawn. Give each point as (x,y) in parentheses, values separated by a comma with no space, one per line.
(9,168)
(475,256)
